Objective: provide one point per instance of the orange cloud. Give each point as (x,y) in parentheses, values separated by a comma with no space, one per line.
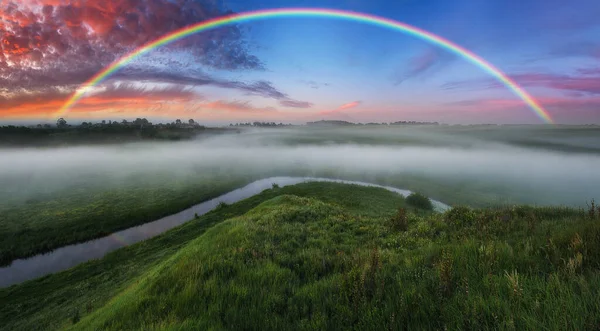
(129,100)
(46,103)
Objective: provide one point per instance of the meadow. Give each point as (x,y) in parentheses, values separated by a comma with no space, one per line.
(334,256)
(51,197)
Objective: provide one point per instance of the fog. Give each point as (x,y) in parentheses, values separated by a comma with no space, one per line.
(435,162)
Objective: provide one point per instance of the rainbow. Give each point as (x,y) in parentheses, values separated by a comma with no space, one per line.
(309,12)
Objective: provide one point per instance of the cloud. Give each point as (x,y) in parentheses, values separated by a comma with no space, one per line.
(428,62)
(128,92)
(46,101)
(46,95)
(314,85)
(349,105)
(73,38)
(562,109)
(577,49)
(339,113)
(120,83)
(261,88)
(233,106)
(295,104)
(587,83)
(197,78)
(55,45)
(589,71)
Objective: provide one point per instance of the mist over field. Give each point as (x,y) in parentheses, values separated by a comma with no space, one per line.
(454,168)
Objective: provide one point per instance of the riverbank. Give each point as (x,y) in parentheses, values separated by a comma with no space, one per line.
(72,255)
(342,245)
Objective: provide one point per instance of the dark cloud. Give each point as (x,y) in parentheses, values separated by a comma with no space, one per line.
(130,92)
(430,61)
(198,78)
(51,88)
(73,38)
(295,104)
(585,84)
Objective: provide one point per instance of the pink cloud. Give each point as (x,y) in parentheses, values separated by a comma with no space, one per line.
(234,107)
(349,105)
(582,110)
(588,81)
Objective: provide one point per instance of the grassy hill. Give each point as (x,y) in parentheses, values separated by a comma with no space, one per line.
(331,256)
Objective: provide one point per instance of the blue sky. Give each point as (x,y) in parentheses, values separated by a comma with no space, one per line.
(311,67)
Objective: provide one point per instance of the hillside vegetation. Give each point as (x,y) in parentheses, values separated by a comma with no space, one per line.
(331,256)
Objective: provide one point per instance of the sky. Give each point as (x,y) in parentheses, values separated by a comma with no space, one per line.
(300,69)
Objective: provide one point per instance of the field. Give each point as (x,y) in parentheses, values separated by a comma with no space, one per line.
(86,211)
(333,256)
(52,197)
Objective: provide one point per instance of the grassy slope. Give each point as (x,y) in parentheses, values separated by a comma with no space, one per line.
(331,260)
(300,263)
(40,225)
(50,302)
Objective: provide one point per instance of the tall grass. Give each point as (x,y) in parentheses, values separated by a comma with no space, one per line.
(301,263)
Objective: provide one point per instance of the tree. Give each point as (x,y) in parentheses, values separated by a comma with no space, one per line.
(191,121)
(178,121)
(61,123)
(103,122)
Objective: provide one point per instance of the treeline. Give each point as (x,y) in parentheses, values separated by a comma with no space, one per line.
(138,122)
(346,123)
(259,124)
(105,131)
(414,123)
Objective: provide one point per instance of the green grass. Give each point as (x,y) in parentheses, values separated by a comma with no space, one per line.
(300,263)
(50,302)
(84,212)
(328,256)
(33,222)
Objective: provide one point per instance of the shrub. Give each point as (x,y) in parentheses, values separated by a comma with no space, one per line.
(400,221)
(460,215)
(592,209)
(221,205)
(419,201)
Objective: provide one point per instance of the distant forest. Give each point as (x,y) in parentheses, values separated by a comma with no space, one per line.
(345,123)
(102,132)
(108,131)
